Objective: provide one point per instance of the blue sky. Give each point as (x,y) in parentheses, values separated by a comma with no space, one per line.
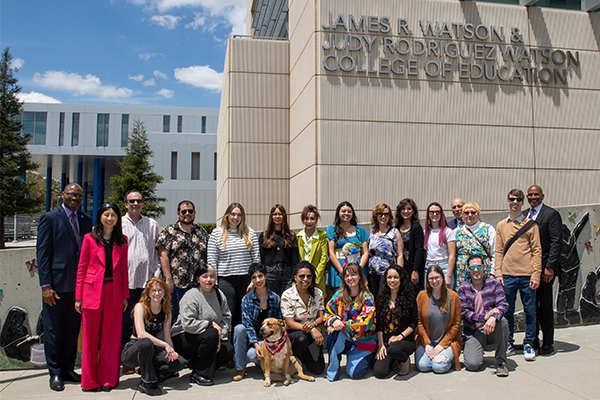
(122,52)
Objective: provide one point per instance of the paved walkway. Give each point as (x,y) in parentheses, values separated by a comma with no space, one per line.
(571,373)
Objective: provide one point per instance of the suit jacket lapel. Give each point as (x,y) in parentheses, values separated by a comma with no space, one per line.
(313,246)
(116,256)
(68,227)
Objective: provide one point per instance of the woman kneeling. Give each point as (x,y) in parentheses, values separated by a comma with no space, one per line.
(349,319)
(202,328)
(156,358)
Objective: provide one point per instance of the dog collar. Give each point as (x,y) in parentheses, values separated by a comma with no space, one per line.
(275,347)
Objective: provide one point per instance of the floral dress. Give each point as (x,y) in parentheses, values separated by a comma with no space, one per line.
(383,251)
(480,242)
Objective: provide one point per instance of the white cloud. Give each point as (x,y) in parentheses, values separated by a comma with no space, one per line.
(147,56)
(149,82)
(35,97)
(166,21)
(137,78)
(231,12)
(166,93)
(17,62)
(159,74)
(198,21)
(78,85)
(201,76)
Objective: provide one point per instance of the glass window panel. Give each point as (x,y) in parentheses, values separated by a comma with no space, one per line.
(61,129)
(124,130)
(203,124)
(174,165)
(195,166)
(166,123)
(75,130)
(179,123)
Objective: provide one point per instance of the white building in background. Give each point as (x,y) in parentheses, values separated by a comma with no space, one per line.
(82,143)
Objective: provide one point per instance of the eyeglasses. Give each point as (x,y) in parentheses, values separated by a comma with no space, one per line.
(186,211)
(74,195)
(383,214)
(434,278)
(517,199)
(475,267)
(434,212)
(470,212)
(132,201)
(302,276)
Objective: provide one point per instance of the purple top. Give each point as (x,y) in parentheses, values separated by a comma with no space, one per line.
(492,295)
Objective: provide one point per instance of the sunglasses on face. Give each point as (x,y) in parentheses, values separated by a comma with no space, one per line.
(74,195)
(381,214)
(470,212)
(302,276)
(132,201)
(475,267)
(187,211)
(434,212)
(517,199)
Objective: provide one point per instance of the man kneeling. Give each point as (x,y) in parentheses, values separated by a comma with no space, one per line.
(483,307)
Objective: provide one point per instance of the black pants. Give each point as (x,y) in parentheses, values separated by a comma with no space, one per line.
(279,277)
(375,282)
(307,351)
(134,298)
(396,351)
(544,313)
(234,288)
(61,329)
(201,351)
(151,359)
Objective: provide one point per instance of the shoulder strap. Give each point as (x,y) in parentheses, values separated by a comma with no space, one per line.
(479,241)
(521,231)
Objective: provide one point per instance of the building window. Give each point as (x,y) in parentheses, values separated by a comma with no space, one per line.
(61,129)
(102,130)
(166,123)
(35,123)
(75,130)
(215,177)
(174,165)
(203,124)
(195,166)
(179,123)
(124,129)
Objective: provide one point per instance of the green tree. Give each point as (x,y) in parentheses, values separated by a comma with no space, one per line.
(137,173)
(15,159)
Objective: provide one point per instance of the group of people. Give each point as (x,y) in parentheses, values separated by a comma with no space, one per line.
(161,301)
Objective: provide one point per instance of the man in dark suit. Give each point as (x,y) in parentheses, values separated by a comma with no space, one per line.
(59,237)
(550,225)
(457,205)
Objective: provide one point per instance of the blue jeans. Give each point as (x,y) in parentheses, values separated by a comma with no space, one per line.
(243,350)
(175,299)
(512,284)
(357,362)
(426,364)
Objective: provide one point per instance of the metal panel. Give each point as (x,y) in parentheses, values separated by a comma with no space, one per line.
(264,161)
(259,125)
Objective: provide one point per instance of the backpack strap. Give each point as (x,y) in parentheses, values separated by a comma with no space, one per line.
(521,231)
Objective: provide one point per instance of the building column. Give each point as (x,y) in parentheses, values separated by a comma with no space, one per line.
(48,188)
(96,198)
(85,196)
(79,179)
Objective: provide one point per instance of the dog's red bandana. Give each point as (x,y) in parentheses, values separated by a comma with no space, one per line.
(275,347)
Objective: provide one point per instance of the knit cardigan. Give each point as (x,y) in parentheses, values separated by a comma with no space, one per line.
(452,336)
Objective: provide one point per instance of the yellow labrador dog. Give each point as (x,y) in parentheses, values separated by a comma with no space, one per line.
(277,354)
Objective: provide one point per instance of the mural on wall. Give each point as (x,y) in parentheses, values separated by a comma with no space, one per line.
(15,339)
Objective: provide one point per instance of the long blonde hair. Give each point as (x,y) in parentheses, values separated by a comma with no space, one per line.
(242,228)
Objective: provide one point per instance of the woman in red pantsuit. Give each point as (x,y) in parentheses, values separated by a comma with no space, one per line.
(101,297)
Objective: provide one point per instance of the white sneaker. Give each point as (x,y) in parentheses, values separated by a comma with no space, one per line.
(510,350)
(529,352)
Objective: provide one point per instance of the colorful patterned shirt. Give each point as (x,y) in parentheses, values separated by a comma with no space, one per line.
(492,294)
(185,250)
(359,323)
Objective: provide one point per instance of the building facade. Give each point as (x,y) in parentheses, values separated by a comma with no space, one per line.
(375,101)
(82,143)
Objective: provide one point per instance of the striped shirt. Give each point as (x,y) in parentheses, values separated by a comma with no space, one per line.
(235,259)
(142,257)
(492,295)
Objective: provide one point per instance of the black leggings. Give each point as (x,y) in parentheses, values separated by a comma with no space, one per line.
(396,351)
(307,351)
(201,351)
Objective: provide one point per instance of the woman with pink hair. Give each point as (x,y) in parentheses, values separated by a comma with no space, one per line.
(440,242)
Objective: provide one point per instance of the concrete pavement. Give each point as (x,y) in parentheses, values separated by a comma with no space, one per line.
(573,372)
